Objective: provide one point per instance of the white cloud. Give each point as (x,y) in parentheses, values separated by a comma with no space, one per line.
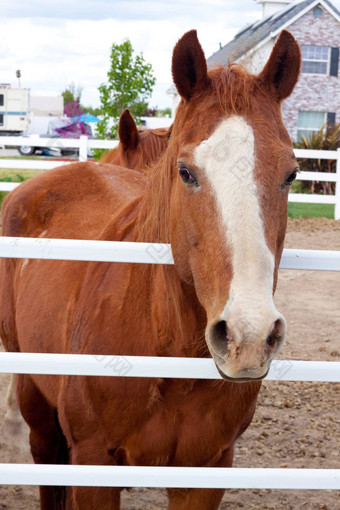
(52,53)
(139,10)
(55,43)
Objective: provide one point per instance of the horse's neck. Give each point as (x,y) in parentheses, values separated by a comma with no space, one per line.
(144,218)
(156,299)
(167,309)
(179,313)
(176,319)
(122,226)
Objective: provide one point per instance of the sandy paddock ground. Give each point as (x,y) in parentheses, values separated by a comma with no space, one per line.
(296,425)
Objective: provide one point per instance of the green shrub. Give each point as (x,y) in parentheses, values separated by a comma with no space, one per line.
(327,138)
(14,178)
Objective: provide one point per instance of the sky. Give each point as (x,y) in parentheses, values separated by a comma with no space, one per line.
(56,43)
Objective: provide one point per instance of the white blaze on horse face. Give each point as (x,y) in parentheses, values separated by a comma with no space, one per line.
(228,159)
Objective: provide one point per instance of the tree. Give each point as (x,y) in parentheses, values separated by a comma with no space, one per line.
(72,94)
(93,111)
(166,112)
(73,110)
(154,112)
(72,98)
(130,81)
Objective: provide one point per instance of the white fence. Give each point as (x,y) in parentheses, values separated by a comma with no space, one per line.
(148,366)
(132,366)
(150,476)
(321,177)
(84,144)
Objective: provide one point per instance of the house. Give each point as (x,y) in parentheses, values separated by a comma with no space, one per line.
(316,26)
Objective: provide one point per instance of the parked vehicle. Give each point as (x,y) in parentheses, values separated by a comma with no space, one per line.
(14,110)
(65,128)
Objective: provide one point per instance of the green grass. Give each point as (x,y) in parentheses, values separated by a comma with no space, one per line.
(15,175)
(303,210)
(20,157)
(11,173)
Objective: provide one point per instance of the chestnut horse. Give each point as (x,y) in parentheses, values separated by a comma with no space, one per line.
(137,148)
(219,195)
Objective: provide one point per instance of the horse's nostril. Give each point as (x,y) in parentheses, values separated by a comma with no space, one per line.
(219,338)
(221,329)
(271,340)
(276,334)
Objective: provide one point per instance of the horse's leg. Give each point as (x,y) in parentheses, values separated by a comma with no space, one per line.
(92,498)
(195,499)
(200,499)
(12,414)
(48,445)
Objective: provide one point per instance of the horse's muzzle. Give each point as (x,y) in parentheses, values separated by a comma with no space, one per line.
(244,354)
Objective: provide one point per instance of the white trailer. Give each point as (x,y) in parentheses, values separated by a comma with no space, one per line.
(14,110)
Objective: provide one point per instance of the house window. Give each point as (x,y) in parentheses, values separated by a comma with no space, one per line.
(1,99)
(331,118)
(315,59)
(310,122)
(1,119)
(317,12)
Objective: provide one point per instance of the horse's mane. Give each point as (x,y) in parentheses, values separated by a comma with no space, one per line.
(152,143)
(234,87)
(153,220)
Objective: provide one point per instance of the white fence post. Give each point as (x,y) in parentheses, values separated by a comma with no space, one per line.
(83,148)
(337,188)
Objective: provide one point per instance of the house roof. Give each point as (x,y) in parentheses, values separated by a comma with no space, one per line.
(254,34)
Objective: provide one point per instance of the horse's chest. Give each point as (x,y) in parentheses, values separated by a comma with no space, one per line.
(166,422)
(185,426)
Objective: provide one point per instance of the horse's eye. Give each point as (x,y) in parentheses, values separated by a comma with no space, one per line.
(187,176)
(291,178)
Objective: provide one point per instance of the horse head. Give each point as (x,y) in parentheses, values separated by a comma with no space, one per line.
(137,148)
(228,202)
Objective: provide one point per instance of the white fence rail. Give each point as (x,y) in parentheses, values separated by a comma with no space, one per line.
(177,477)
(149,366)
(84,144)
(144,253)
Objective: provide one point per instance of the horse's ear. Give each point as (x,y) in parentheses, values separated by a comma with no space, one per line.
(189,67)
(282,70)
(127,130)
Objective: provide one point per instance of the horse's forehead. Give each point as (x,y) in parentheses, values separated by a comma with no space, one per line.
(227,158)
(229,134)
(230,144)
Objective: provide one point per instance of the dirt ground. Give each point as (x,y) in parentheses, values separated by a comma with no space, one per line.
(296,424)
